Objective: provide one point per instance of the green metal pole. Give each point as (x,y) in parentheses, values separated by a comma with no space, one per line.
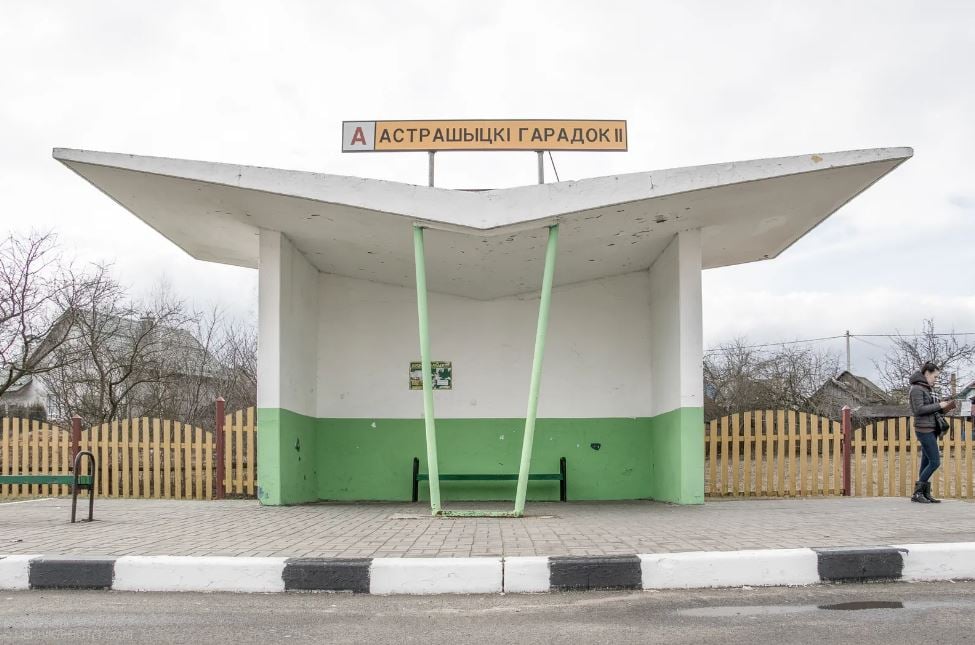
(422,313)
(540,332)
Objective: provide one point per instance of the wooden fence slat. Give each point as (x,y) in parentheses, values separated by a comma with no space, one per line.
(956,462)
(803,487)
(872,435)
(55,461)
(46,456)
(104,464)
(747,486)
(780,462)
(35,453)
(178,459)
(132,471)
(167,459)
(198,463)
(228,451)
(157,460)
(251,458)
(902,456)
(239,453)
(857,485)
(814,435)
(144,436)
(208,450)
(768,427)
(915,458)
(712,456)
(836,431)
(5,458)
(969,440)
(24,464)
(187,461)
(884,458)
(126,470)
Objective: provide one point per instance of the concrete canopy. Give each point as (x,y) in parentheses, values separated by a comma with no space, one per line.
(485,244)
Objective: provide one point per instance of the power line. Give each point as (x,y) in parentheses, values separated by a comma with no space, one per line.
(786,342)
(859,337)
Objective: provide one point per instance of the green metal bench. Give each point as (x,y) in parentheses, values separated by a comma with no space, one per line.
(75,480)
(423,477)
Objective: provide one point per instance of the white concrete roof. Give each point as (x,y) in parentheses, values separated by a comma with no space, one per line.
(489,243)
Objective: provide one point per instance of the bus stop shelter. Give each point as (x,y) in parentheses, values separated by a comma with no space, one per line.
(621,399)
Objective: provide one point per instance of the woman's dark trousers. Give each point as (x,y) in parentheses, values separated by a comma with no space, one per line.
(930,455)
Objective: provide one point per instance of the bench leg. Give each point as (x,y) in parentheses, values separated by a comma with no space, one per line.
(562,482)
(416,482)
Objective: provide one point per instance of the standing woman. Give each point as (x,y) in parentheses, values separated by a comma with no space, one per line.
(928,426)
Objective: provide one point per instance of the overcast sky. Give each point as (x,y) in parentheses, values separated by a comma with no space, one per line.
(699,82)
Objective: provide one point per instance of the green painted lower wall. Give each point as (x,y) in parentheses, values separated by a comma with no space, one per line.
(371,459)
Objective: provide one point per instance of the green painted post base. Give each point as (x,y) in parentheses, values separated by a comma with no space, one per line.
(287,457)
(677,456)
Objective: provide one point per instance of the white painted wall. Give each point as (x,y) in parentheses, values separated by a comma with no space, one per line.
(676,325)
(288,289)
(597,359)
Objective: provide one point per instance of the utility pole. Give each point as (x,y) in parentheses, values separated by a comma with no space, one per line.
(848,351)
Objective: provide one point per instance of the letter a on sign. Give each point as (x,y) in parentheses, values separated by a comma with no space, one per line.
(358,136)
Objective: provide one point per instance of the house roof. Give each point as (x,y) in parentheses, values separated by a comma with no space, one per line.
(853,390)
(490,243)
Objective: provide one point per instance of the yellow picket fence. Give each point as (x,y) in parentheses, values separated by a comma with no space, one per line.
(885,459)
(137,458)
(773,453)
(785,453)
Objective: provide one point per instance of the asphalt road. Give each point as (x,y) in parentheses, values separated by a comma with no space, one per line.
(931,613)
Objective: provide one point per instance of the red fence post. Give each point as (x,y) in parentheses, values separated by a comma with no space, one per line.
(219,438)
(847,450)
(75,439)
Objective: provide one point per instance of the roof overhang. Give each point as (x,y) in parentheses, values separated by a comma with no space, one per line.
(485,244)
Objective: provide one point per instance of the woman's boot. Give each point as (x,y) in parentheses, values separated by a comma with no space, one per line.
(918,495)
(927,494)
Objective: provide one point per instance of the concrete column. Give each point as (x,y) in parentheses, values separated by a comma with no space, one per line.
(287,372)
(677,424)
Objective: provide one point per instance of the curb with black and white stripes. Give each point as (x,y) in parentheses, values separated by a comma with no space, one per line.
(769,567)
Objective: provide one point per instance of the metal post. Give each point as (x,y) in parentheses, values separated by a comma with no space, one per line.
(221,449)
(847,450)
(540,332)
(75,438)
(422,314)
(848,351)
(430,168)
(541,167)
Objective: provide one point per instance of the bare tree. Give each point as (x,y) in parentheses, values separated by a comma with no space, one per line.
(739,377)
(38,293)
(118,354)
(909,352)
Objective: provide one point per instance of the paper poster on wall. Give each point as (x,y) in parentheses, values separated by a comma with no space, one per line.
(441,371)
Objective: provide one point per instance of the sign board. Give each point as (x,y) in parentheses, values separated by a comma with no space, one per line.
(442,372)
(483,134)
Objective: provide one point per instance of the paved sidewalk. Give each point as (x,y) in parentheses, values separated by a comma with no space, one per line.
(244,528)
